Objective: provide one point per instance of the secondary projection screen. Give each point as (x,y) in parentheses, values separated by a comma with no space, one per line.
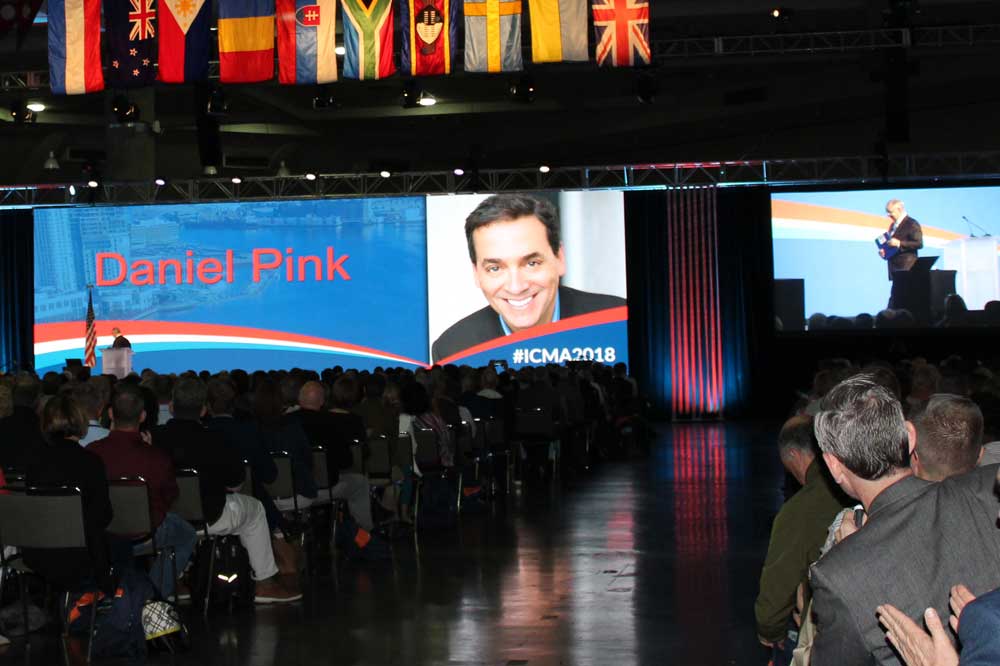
(830,273)
(317,283)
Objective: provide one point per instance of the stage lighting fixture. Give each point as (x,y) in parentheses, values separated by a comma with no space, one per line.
(51,163)
(426,99)
(522,89)
(72,190)
(283,171)
(324,101)
(218,105)
(459,172)
(92,184)
(160,182)
(384,173)
(210,170)
(36,107)
(544,169)
(340,50)
(781,13)
(236,180)
(125,110)
(310,176)
(20,114)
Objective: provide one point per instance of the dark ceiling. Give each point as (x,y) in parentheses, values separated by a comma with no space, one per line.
(938,95)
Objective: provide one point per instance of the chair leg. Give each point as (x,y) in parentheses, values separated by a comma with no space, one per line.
(211,575)
(93,627)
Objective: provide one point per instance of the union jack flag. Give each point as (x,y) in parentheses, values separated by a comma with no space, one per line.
(141,17)
(90,346)
(621,28)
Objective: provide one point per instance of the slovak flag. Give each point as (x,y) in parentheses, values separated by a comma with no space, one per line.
(75,46)
(184,28)
(307,41)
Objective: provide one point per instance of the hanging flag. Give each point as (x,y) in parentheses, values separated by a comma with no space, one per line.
(430,31)
(307,41)
(621,28)
(246,41)
(492,35)
(558,30)
(183,53)
(368,39)
(130,26)
(90,345)
(75,46)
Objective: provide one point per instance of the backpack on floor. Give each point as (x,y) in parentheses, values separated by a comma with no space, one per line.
(231,579)
(118,628)
(359,543)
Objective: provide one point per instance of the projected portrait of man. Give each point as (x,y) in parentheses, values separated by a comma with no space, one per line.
(517,262)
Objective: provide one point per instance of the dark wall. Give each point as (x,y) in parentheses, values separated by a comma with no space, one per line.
(17,291)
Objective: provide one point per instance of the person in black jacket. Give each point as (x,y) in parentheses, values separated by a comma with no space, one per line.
(517,260)
(906,235)
(220,468)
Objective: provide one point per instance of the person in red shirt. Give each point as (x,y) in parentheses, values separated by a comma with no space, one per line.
(128,453)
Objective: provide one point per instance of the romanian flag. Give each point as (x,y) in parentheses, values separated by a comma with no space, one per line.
(246,41)
(429,37)
(307,41)
(558,30)
(184,27)
(368,39)
(492,35)
(75,46)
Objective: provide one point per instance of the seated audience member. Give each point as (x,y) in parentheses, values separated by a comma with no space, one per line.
(89,398)
(61,461)
(6,400)
(337,430)
(20,432)
(816,322)
(797,535)
(897,557)
(126,453)
(283,432)
(956,312)
(220,468)
(924,383)
(163,386)
(379,417)
(864,321)
(487,403)
(949,434)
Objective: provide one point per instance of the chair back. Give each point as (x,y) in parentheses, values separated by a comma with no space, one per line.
(321,473)
(246,488)
(131,508)
(357,457)
(463,440)
(188,504)
(533,422)
(426,454)
(284,484)
(380,457)
(402,452)
(56,518)
(496,437)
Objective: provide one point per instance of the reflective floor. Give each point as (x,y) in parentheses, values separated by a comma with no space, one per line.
(650,561)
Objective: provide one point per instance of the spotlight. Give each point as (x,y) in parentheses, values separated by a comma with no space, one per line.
(283,171)
(459,172)
(384,173)
(522,89)
(323,101)
(72,190)
(209,170)
(21,114)
(544,169)
(236,180)
(51,163)
(92,184)
(36,107)
(124,109)
(410,93)
(218,105)
(426,99)
(781,13)
(310,176)
(340,50)
(160,182)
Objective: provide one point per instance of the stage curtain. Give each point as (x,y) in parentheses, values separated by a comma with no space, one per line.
(17,290)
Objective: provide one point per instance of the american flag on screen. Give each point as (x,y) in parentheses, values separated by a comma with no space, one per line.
(90,347)
(621,28)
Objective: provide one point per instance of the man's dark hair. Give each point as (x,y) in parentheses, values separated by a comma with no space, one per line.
(798,434)
(127,404)
(509,207)
(949,436)
(189,397)
(861,423)
(27,390)
(88,397)
(345,392)
(163,388)
(221,396)
(290,386)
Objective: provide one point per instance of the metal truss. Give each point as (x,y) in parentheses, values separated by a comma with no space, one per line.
(666,50)
(847,171)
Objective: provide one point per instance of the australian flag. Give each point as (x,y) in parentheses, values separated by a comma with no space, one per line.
(131,34)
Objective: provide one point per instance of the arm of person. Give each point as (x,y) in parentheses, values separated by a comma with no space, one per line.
(784,568)
(916,646)
(913,240)
(838,640)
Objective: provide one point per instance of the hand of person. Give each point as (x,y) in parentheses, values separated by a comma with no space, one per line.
(960,598)
(881,253)
(769,644)
(147,437)
(800,603)
(847,526)
(916,646)
(894,242)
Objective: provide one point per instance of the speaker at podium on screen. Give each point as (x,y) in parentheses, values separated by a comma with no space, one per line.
(117,362)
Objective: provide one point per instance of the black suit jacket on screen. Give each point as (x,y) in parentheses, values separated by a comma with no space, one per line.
(484,325)
(911,239)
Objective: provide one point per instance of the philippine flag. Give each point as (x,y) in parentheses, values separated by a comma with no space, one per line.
(307,41)
(184,28)
(75,46)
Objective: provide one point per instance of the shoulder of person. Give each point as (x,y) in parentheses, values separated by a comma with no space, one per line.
(480,326)
(574,302)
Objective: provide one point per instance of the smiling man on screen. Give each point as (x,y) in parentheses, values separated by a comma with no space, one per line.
(517,261)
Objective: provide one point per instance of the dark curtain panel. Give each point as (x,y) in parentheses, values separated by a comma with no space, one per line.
(17,289)
(746,267)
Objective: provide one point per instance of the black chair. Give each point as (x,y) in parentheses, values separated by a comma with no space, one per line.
(495,433)
(56,523)
(132,519)
(535,427)
(189,507)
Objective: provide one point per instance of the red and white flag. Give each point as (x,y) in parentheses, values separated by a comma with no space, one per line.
(90,346)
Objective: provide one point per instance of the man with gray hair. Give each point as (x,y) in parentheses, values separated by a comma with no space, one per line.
(949,438)
(920,538)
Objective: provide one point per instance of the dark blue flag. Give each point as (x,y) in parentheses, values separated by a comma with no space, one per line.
(131,34)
